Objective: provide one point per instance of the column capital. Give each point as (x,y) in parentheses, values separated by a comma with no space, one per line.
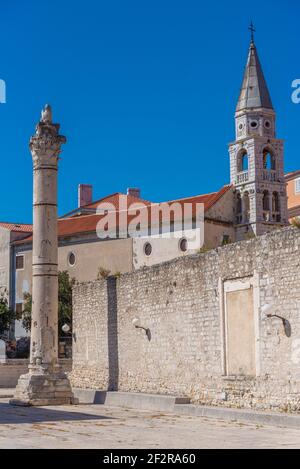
(45,145)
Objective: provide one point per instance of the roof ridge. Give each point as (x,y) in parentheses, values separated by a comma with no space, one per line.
(191,197)
(102,198)
(15,223)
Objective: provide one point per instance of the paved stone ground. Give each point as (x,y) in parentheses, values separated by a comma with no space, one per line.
(97,426)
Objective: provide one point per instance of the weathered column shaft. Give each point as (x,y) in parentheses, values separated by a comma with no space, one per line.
(44,282)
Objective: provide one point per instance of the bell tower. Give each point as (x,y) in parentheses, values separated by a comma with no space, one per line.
(256,157)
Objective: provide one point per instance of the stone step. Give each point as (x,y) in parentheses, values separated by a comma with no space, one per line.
(131,400)
(182,406)
(240,415)
(6,392)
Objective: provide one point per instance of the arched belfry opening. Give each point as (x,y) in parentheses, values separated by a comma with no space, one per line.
(239,208)
(242,161)
(246,207)
(276,207)
(269,161)
(266,205)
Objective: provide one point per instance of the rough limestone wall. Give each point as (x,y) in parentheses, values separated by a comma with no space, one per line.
(179,301)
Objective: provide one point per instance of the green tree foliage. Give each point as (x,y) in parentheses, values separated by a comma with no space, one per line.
(65,285)
(26,316)
(6,314)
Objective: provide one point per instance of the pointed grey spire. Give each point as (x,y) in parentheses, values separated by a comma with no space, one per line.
(254,92)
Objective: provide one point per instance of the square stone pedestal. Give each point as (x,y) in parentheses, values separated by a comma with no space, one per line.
(42,389)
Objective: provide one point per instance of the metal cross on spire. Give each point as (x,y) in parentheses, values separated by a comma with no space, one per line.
(252,29)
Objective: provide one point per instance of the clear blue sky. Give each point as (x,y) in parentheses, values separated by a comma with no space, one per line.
(145,91)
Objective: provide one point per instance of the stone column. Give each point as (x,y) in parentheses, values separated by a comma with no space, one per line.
(45,383)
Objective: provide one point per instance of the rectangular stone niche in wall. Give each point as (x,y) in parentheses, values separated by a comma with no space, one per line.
(240,326)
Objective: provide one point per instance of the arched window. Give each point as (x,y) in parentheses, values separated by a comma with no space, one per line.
(242,161)
(246,204)
(266,201)
(239,208)
(275,202)
(266,205)
(268,159)
(275,207)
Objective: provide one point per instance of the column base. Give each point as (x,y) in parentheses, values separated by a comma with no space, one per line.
(43,389)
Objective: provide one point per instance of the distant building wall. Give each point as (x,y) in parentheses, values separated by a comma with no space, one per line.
(223,209)
(11,371)
(210,339)
(163,249)
(4,259)
(217,233)
(293,194)
(113,255)
(166,249)
(218,227)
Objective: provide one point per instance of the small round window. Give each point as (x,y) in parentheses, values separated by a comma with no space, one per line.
(241,126)
(71,259)
(254,124)
(267,124)
(147,249)
(183,245)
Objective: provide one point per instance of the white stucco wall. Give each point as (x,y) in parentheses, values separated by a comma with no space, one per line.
(4,259)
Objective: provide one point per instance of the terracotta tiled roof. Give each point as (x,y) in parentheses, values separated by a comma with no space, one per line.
(293,174)
(18,227)
(115,199)
(88,223)
(207,199)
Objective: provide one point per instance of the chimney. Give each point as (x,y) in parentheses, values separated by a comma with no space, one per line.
(85,195)
(134,192)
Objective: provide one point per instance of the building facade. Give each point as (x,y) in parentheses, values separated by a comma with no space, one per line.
(293,193)
(9,233)
(84,255)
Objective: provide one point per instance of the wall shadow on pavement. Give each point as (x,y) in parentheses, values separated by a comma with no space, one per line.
(10,414)
(112,334)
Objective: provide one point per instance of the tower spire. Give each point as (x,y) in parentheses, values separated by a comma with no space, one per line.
(254,92)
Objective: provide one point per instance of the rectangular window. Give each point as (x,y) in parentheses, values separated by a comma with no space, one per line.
(19,262)
(297,186)
(19,309)
(226,239)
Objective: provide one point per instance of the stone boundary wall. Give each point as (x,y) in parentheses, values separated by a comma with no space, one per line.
(14,368)
(182,304)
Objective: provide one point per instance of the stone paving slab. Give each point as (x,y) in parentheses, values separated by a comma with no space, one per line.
(95,426)
(6,392)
